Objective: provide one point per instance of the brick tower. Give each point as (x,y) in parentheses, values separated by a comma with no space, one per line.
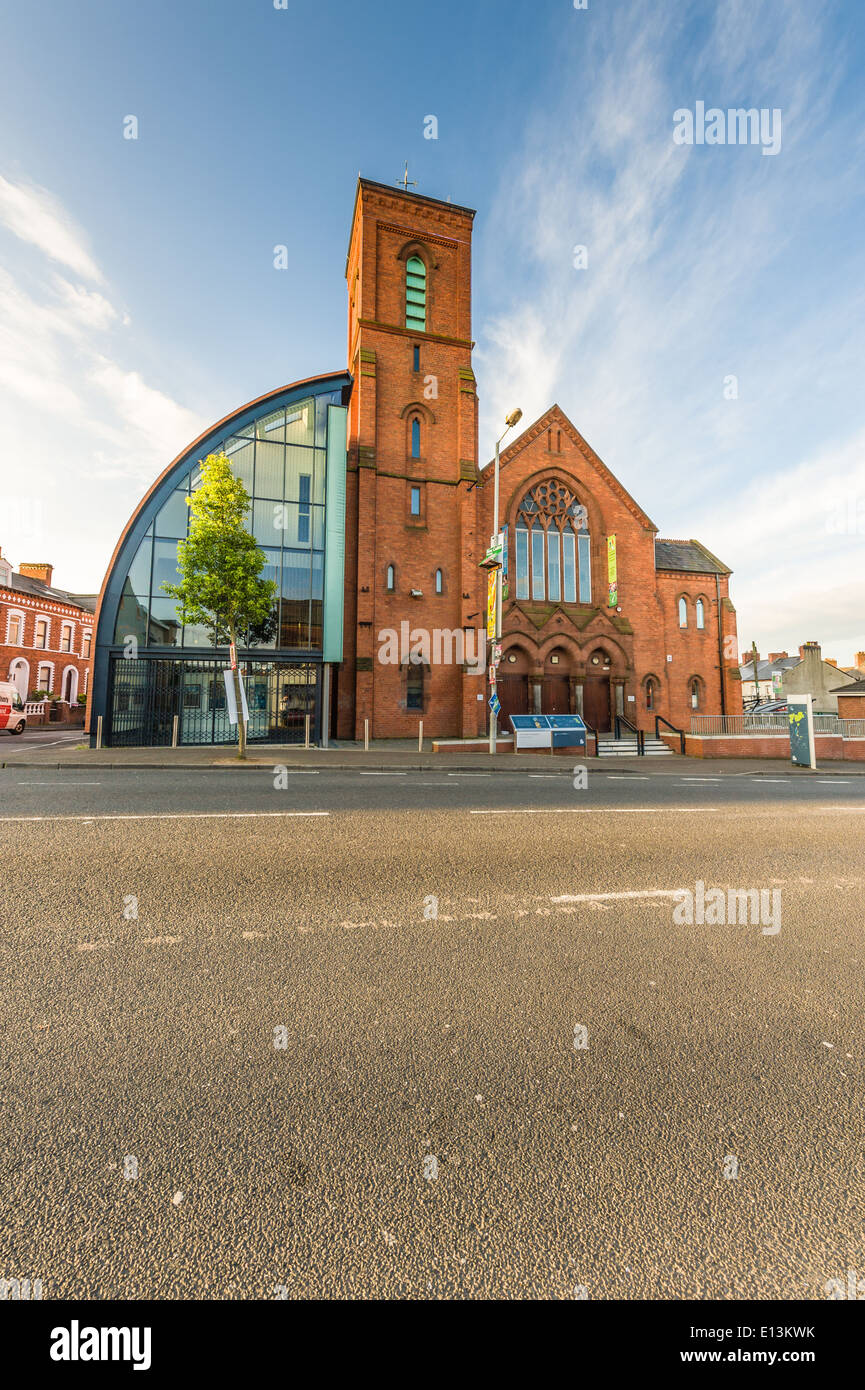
(411,511)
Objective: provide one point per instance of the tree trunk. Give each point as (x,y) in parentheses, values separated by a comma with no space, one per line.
(241,727)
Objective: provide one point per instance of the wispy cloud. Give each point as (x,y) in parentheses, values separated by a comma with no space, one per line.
(37,217)
(695,273)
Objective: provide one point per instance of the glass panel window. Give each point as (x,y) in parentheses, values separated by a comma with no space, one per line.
(570,579)
(537,562)
(415,501)
(15,628)
(269,470)
(300,423)
(165,625)
(585,554)
(683,613)
(41,638)
(171,520)
(390,580)
(165,569)
(522,562)
(303,463)
(701,616)
(241,456)
(85,645)
(414,687)
(553,573)
(439,581)
(303,518)
(273,522)
(138,579)
(271,426)
(66,638)
(415,438)
(416,358)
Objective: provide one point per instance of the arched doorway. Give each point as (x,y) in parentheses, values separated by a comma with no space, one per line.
(512,685)
(597,702)
(556,686)
(19,675)
(70,685)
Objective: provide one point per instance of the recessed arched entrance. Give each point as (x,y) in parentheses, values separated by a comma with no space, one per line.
(556,682)
(597,690)
(512,686)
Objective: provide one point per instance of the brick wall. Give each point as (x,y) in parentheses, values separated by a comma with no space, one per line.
(33,608)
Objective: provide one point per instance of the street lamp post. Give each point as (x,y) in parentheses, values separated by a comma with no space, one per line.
(510,421)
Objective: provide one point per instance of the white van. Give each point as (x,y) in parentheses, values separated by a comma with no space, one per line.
(12,715)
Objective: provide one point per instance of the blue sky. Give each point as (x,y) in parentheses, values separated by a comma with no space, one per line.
(139,302)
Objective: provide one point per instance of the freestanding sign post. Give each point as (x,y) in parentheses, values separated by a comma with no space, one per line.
(800,713)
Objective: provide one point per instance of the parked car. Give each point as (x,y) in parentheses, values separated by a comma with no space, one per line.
(12,717)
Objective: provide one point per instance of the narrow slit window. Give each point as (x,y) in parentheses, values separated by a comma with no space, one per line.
(439,581)
(569,567)
(585,555)
(553,568)
(415,501)
(415,438)
(538,586)
(522,562)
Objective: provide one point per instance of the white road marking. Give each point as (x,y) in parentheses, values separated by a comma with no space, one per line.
(626,777)
(384,774)
(833,781)
(60,784)
(172,815)
(474,774)
(609,897)
(775,781)
(546,776)
(700,779)
(594,810)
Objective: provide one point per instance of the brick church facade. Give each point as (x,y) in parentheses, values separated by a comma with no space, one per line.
(601,616)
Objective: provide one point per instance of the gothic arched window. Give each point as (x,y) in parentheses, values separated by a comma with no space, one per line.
(701,613)
(553,546)
(683,612)
(415,437)
(415,294)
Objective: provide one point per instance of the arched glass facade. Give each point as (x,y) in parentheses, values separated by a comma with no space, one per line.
(288,449)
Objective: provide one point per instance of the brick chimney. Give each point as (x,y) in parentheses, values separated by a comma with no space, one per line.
(809,647)
(748,659)
(41,572)
(776,656)
(830,661)
(860,661)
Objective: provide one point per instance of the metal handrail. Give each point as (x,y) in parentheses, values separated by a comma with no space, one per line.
(592,731)
(659,719)
(622,719)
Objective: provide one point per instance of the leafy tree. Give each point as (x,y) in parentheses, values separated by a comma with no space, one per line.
(220,565)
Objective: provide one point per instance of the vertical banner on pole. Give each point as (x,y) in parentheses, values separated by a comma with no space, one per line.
(491,605)
(231,702)
(612,572)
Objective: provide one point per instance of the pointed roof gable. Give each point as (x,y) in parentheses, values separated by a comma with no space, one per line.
(556,416)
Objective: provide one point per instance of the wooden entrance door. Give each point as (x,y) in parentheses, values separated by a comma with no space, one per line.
(596,703)
(513,692)
(556,695)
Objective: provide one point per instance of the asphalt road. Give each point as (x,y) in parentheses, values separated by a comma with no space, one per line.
(335,1055)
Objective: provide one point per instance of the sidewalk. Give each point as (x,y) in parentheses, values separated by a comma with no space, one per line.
(393,755)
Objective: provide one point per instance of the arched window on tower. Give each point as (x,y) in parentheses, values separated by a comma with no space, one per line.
(701,613)
(415,294)
(695,692)
(415,437)
(651,693)
(683,612)
(439,582)
(553,548)
(390,579)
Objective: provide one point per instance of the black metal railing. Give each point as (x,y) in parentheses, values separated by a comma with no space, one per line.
(659,719)
(638,733)
(594,734)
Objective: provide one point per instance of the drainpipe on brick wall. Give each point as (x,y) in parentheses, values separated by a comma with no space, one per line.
(720,646)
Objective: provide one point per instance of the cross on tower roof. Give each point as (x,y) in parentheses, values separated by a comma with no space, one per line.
(405,180)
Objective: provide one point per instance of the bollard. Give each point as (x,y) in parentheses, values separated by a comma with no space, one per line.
(99,731)
(420,736)
(366,736)
(306,740)
(174,726)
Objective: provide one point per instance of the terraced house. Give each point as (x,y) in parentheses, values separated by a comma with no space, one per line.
(372,512)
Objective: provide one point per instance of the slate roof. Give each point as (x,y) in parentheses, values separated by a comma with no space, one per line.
(857,688)
(26,584)
(690,556)
(765,668)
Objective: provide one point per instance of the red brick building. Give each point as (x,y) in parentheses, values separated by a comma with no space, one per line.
(601,616)
(46,634)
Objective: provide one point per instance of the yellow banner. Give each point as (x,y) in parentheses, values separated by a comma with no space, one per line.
(612,573)
(491,604)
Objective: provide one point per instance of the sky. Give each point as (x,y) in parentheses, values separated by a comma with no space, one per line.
(696,309)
